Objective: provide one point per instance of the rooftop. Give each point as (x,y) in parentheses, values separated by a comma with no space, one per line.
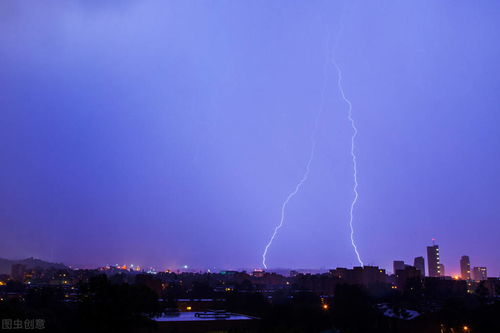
(202,316)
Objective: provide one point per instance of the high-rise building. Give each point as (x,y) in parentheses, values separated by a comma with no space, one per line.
(465,267)
(419,263)
(398,265)
(433,263)
(480,273)
(402,276)
(441,270)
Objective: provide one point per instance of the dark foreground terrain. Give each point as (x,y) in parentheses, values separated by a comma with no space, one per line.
(122,301)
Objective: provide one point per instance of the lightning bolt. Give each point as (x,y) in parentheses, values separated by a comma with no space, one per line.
(311,156)
(353,157)
(308,164)
(287,200)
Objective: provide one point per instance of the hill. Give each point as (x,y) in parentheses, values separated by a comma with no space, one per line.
(6,264)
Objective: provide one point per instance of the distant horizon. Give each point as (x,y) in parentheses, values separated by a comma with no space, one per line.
(239,269)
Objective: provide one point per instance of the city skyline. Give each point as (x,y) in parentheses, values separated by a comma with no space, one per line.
(435,267)
(169,134)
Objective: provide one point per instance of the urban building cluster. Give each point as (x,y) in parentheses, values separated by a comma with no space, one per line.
(268,282)
(189,298)
(436,269)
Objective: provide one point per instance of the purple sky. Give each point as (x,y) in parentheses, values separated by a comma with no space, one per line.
(169,133)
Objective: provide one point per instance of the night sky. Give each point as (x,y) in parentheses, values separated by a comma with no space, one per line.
(168,133)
